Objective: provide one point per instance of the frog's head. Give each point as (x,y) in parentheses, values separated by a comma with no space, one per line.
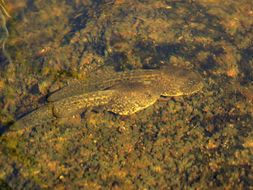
(179,81)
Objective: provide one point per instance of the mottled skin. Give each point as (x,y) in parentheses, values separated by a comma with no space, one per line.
(123,93)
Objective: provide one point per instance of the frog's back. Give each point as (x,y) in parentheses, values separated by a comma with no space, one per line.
(103,81)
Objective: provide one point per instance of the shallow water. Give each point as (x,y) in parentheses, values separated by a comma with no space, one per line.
(201,141)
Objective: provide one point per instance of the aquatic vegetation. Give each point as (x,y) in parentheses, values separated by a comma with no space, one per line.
(3,8)
(4,33)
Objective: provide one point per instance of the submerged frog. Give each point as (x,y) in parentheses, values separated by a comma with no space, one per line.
(122,93)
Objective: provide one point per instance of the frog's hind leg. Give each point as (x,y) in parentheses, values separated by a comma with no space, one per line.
(131,99)
(76,104)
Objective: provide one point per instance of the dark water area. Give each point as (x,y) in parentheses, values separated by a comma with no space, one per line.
(86,101)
